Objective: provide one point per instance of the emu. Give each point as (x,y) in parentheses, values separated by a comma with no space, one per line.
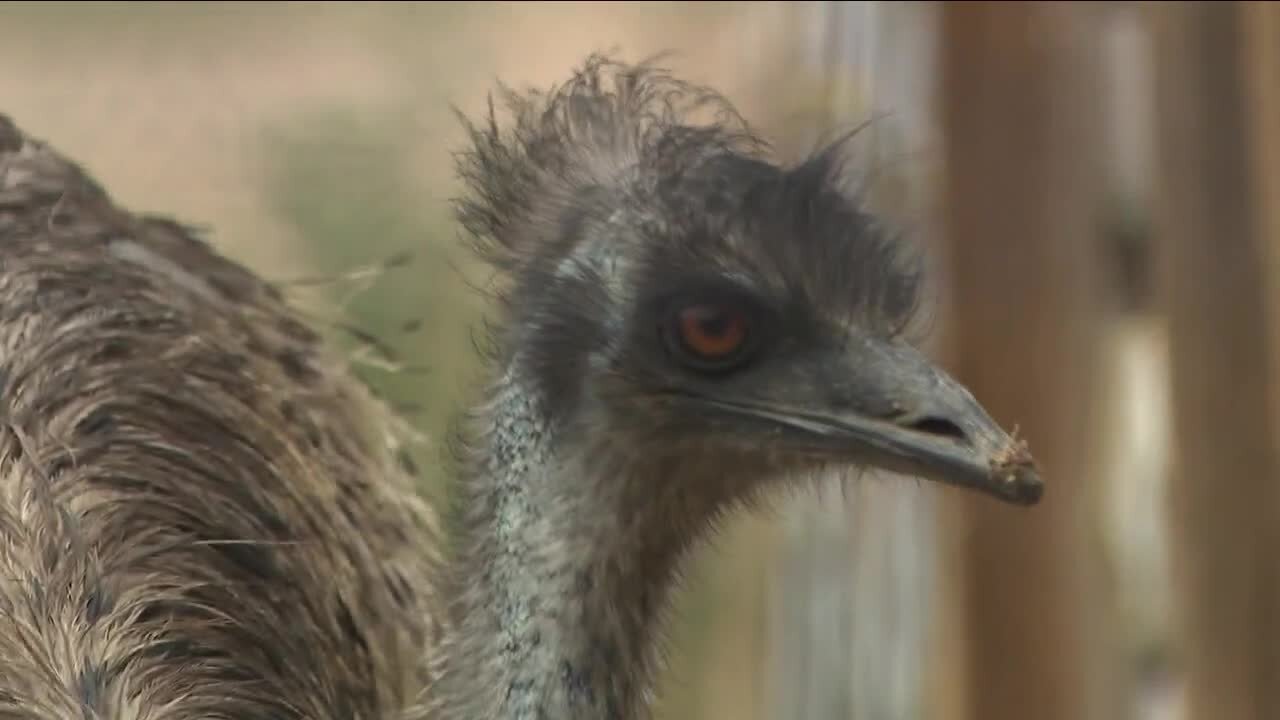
(203,515)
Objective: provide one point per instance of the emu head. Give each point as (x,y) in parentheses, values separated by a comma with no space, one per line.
(674,294)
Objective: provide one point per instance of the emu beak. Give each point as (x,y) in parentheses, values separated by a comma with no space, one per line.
(910,417)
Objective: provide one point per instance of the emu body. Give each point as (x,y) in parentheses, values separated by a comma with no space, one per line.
(201,513)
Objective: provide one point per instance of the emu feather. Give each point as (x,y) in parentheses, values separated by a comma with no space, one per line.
(199,513)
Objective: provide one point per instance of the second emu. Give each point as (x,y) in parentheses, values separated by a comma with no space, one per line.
(201,515)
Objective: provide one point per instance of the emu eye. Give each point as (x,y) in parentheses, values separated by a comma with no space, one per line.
(710,336)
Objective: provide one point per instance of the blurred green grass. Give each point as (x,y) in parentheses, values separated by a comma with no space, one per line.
(339,178)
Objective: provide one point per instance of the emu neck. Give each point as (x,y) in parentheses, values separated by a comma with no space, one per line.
(568,554)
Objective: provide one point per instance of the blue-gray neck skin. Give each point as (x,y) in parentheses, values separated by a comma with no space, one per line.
(566,554)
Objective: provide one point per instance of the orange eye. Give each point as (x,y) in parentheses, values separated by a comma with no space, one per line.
(712,333)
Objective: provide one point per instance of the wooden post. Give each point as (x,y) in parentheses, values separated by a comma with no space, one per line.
(1020,112)
(1217,121)
(852,582)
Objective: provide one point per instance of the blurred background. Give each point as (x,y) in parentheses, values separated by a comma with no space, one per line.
(1099,188)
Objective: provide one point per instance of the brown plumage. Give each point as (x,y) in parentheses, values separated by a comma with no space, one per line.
(202,516)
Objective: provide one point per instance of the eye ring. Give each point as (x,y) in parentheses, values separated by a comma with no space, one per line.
(711,336)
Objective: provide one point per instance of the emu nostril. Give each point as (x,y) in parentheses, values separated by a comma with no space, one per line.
(939,426)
